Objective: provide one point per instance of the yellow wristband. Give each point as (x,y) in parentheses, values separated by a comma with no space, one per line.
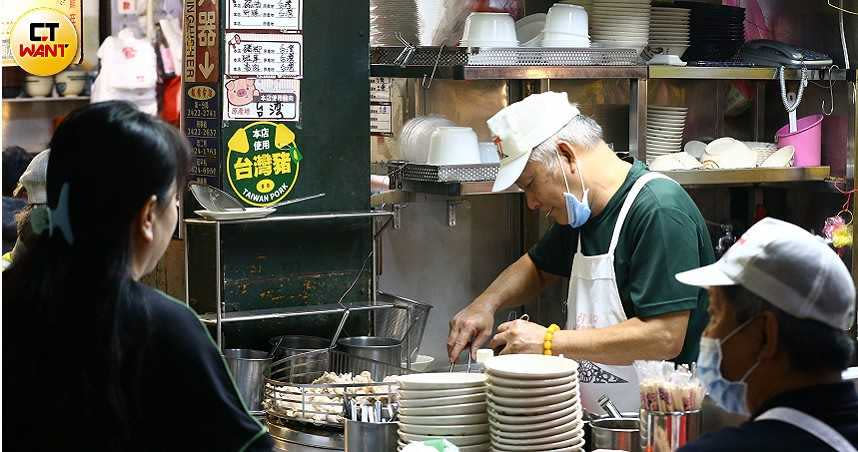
(549,337)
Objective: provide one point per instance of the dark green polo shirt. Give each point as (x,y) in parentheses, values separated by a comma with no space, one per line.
(664,234)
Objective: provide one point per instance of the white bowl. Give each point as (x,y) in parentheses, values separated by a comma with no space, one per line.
(782,158)
(70,82)
(415,137)
(36,86)
(490,27)
(570,19)
(729,153)
(454,146)
(421,364)
(530,27)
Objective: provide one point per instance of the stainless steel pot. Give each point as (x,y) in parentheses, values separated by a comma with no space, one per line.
(366,436)
(383,349)
(248,368)
(616,434)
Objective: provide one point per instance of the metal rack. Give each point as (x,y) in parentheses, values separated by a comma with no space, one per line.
(220,316)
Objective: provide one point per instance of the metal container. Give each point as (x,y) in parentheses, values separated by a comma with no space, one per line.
(616,434)
(667,432)
(367,436)
(382,349)
(248,369)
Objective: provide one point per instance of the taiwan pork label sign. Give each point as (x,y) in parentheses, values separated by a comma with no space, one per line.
(263,163)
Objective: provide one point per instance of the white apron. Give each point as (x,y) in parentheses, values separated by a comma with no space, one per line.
(811,425)
(594,302)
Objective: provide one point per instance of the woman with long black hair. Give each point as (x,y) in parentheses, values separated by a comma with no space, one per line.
(92,358)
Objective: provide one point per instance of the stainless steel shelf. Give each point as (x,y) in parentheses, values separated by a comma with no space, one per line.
(750,176)
(737,73)
(509,72)
(45,99)
(454,188)
(295,311)
(306,217)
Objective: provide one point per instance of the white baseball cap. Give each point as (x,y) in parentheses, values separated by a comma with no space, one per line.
(35,179)
(524,125)
(788,267)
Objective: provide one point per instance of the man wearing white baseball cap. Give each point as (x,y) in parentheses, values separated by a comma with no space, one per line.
(33,183)
(776,345)
(621,233)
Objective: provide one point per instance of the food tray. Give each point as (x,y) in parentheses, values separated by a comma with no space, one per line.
(441,173)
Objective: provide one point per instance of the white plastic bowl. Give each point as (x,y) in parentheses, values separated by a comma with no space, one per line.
(492,28)
(570,19)
(70,82)
(454,146)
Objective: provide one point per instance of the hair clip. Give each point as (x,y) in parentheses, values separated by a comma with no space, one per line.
(44,218)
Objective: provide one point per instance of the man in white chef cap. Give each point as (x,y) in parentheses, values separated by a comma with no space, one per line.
(33,183)
(781,301)
(621,233)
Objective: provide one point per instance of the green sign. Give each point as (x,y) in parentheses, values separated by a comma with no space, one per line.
(263,163)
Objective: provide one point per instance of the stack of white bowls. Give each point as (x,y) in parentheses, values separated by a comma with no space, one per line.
(416,135)
(728,153)
(534,404)
(451,406)
(620,23)
(665,127)
(489,30)
(566,26)
(387,18)
(669,31)
(586,4)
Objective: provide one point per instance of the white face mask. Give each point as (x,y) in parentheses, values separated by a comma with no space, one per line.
(731,396)
(577,211)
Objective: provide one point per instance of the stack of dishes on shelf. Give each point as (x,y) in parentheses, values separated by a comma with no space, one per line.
(489,30)
(664,130)
(416,136)
(668,32)
(586,4)
(534,404)
(620,23)
(717,32)
(563,26)
(451,406)
(389,18)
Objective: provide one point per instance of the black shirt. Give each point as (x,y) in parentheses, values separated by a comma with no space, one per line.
(177,390)
(833,404)
(11,206)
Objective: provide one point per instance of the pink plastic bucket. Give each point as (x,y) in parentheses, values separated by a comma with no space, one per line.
(807,140)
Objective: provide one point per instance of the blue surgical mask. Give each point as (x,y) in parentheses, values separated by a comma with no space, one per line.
(577,211)
(731,396)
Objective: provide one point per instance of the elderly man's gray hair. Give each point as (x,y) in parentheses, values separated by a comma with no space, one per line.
(582,131)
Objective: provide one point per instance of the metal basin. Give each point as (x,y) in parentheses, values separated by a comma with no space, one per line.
(616,434)
(248,368)
(383,349)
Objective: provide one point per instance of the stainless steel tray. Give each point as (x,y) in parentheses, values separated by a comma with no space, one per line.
(511,56)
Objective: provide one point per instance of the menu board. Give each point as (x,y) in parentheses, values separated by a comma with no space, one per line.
(284,15)
(380,108)
(274,55)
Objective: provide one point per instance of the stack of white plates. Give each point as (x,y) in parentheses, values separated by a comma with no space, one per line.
(416,135)
(664,129)
(620,23)
(534,404)
(387,18)
(669,31)
(451,406)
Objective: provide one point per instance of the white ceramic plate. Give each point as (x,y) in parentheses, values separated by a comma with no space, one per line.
(537,426)
(524,402)
(449,410)
(248,213)
(535,419)
(659,119)
(663,140)
(620,35)
(458,430)
(504,391)
(442,401)
(575,441)
(656,128)
(573,425)
(671,11)
(667,108)
(444,380)
(621,10)
(534,410)
(458,419)
(468,440)
(563,449)
(556,434)
(530,366)
(485,447)
(414,395)
(542,383)
(655,148)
